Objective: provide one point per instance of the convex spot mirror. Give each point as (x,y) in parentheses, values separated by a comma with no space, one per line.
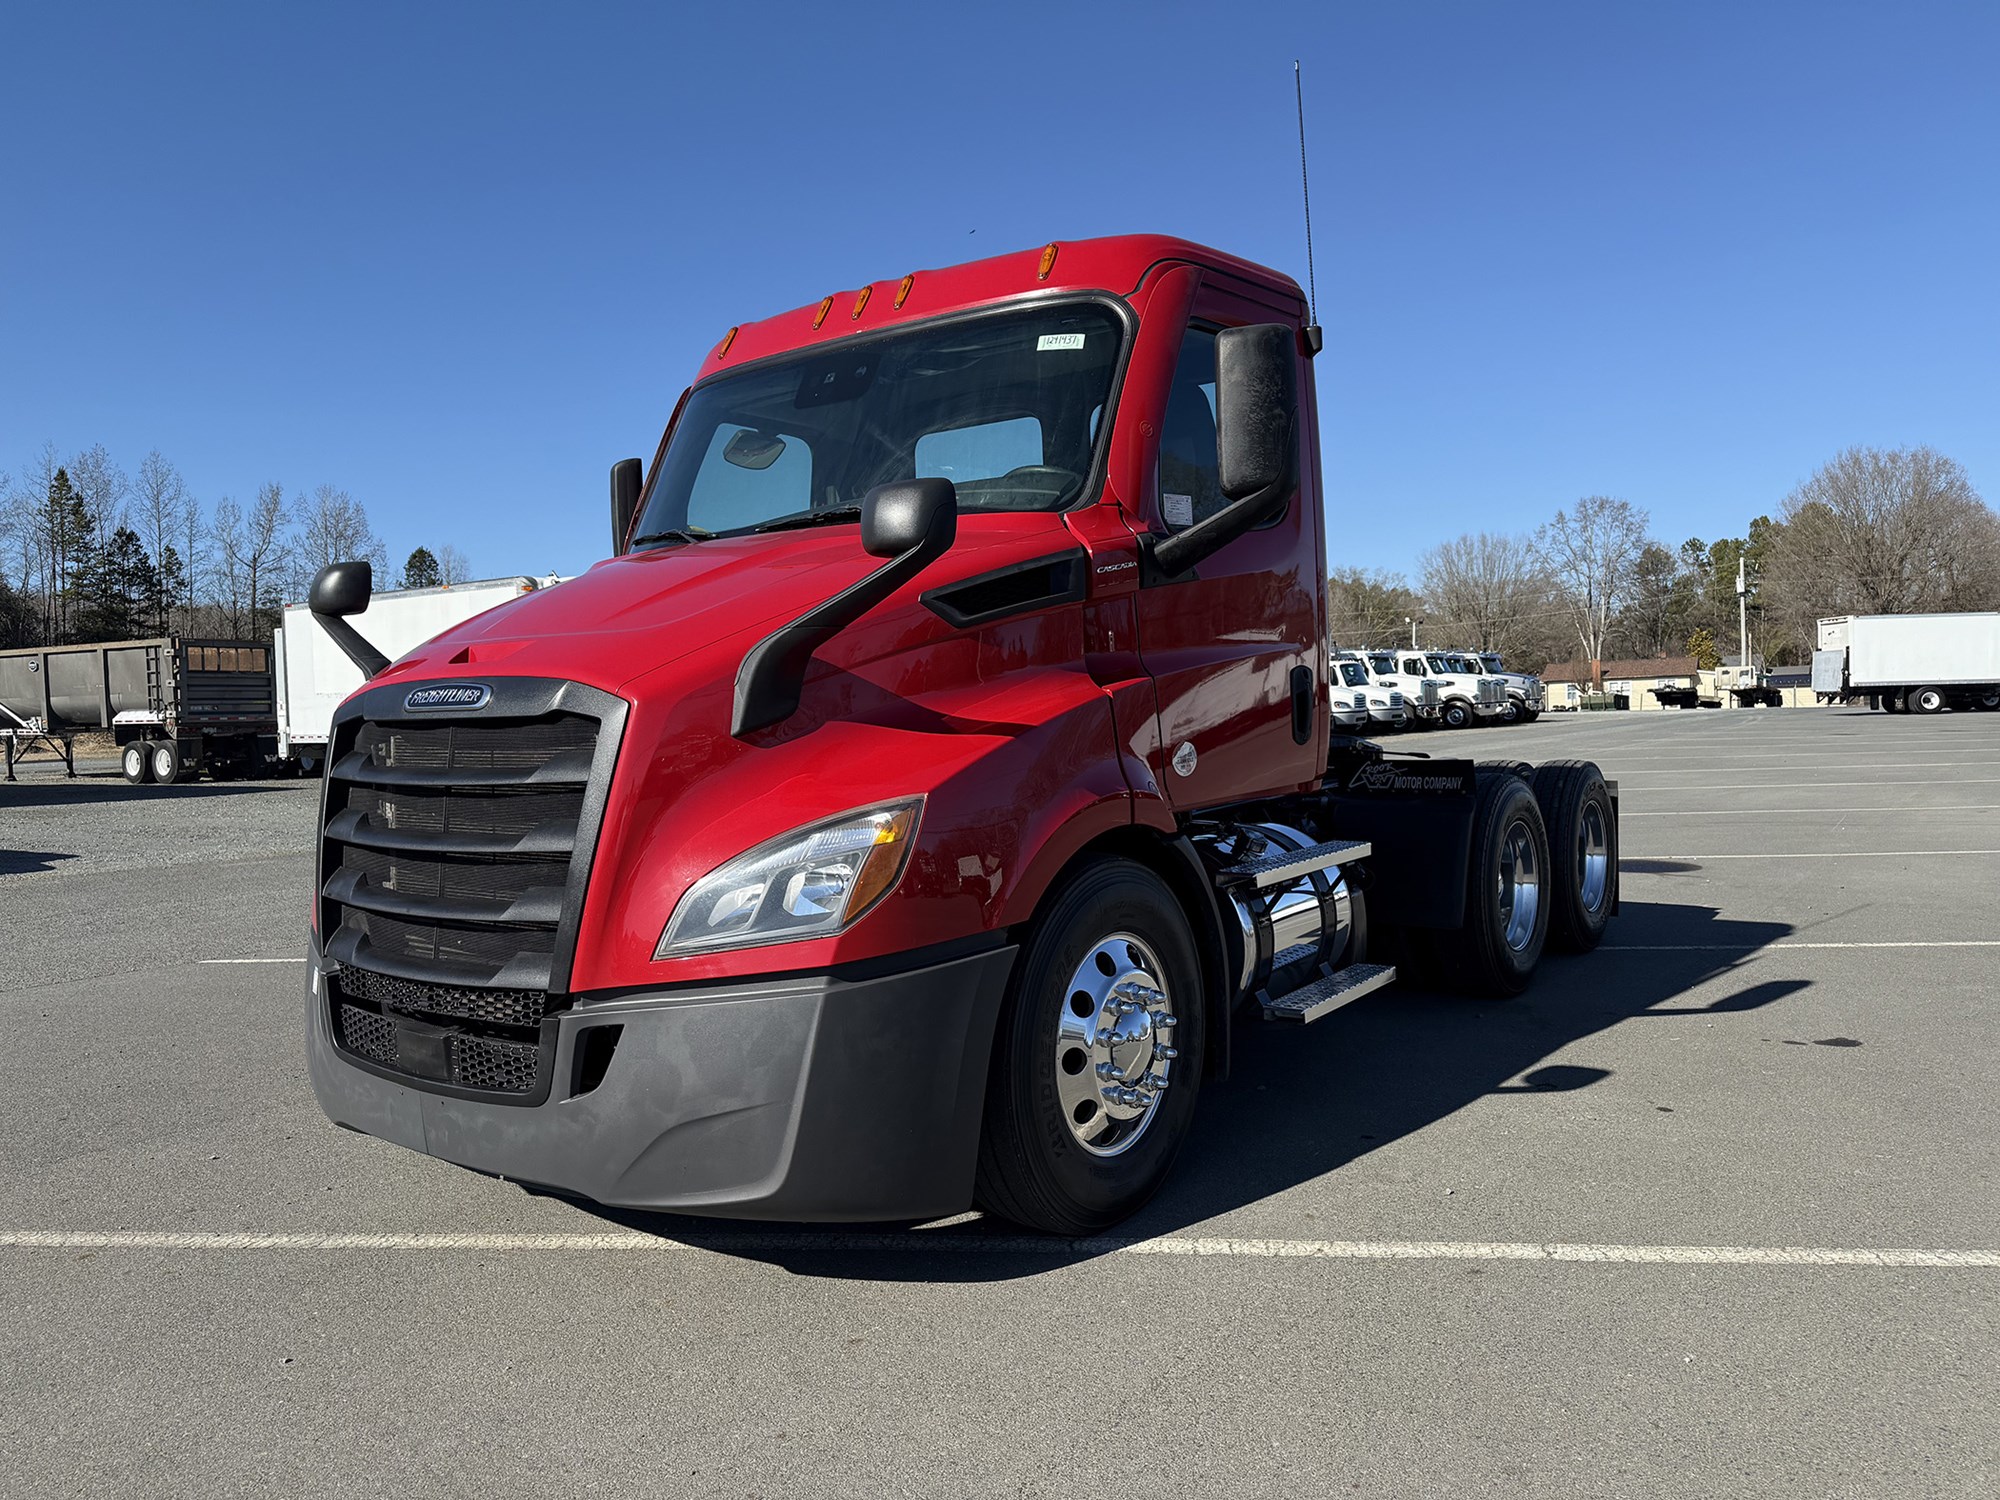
(896,518)
(626,476)
(753,450)
(341,589)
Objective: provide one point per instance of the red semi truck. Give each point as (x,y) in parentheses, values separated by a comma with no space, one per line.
(903,816)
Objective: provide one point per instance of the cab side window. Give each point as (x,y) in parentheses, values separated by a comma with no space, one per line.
(1190,479)
(1414,665)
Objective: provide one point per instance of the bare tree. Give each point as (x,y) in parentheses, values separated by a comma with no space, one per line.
(1367,607)
(333,527)
(102,487)
(1589,550)
(266,556)
(228,578)
(169,518)
(452,566)
(1484,592)
(1877,532)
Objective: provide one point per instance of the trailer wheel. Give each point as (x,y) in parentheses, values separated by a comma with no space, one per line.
(164,757)
(1583,850)
(1925,700)
(1097,1056)
(1457,713)
(136,761)
(1495,950)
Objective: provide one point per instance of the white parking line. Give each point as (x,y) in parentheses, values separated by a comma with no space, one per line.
(1841,811)
(1002,1244)
(1823,854)
(250,960)
(1783,947)
(1626,787)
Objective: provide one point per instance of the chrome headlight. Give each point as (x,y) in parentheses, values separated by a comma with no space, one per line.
(812,882)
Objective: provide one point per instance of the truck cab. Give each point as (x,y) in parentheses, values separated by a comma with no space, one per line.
(940,768)
(1465,693)
(1526,697)
(1358,698)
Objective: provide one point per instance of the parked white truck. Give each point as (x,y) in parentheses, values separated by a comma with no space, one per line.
(314,677)
(1359,701)
(1525,696)
(1919,664)
(1422,698)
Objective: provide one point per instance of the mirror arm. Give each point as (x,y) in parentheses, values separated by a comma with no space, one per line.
(774,670)
(1168,557)
(353,644)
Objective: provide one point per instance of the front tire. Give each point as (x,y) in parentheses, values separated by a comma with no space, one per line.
(1583,852)
(1097,1056)
(1493,952)
(1457,714)
(1510,712)
(1529,715)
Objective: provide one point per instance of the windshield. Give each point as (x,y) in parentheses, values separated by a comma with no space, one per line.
(1439,666)
(1385,666)
(1353,674)
(1005,406)
(1492,661)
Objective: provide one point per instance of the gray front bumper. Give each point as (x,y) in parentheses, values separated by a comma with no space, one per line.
(802,1098)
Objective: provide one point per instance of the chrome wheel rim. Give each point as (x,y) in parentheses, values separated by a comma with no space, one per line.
(1113,1052)
(1520,887)
(1593,843)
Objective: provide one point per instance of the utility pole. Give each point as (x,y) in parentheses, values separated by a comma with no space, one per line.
(1412,621)
(1742,620)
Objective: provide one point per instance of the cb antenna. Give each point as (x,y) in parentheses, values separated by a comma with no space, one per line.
(1315,339)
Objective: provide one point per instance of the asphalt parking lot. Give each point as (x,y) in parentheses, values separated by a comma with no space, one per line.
(1714,1211)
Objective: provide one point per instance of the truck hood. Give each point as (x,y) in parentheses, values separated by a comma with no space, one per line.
(634,614)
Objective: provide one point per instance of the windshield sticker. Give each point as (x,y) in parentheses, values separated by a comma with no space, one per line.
(1177,509)
(1050,341)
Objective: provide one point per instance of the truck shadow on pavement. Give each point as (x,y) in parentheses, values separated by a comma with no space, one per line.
(98,790)
(1305,1101)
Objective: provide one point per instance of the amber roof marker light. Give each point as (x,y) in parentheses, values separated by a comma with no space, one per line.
(727,339)
(903,291)
(820,316)
(862,301)
(1048,261)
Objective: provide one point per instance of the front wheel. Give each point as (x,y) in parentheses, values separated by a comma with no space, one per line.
(1510,712)
(1529,715)
(1097,1057)
(1986,702)
(1457,714)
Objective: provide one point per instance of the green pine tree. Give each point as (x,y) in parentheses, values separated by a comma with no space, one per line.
(420,571)
(1701,646)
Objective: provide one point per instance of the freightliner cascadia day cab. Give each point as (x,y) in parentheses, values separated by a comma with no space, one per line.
(899,820)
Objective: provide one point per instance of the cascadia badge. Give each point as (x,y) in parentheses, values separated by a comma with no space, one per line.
(461,695)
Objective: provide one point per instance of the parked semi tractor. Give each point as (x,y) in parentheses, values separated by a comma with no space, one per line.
(1526,697)
(314,676)
(176,708)
(900,819)
(1920,664)
(1358,701)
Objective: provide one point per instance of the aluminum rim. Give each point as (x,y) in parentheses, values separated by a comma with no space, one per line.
(163,761)
(1593,849)
(135,760)
(1520,886)
(1112,1051)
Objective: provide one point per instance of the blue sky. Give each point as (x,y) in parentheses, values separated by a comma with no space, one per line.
(456,260)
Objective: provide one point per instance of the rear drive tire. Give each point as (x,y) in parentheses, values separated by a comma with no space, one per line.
(1986,703)
(1457,714)
(1108,957)
(1583,852)
(1925,700)
(1493,953)
(136,762)
(164,759)
(1520,768)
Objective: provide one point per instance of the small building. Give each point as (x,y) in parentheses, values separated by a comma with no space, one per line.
(1568,682)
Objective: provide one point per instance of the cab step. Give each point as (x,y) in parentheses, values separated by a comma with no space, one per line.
(1314,1000)
(1283,866)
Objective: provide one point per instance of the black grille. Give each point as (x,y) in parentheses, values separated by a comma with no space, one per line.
(496,1007)
(479,1062)
(450,847)
(372,1036)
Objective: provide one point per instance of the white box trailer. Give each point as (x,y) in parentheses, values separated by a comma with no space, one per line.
(314,677)
(1910,663)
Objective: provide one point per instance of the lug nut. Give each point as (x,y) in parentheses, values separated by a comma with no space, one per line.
(1168,1054)
(1107,1070)
(1165,1020)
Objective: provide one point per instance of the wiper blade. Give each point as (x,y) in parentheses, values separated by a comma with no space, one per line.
(808,518)
(674,534)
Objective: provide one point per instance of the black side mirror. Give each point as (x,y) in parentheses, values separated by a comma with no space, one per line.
(339,590)
(1257,442)
(342,589)
(896,518)
(626,476)
(1256,407)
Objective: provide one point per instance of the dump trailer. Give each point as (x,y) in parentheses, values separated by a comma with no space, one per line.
(176,708)
(314,676)
(1921,664)
(940,772)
